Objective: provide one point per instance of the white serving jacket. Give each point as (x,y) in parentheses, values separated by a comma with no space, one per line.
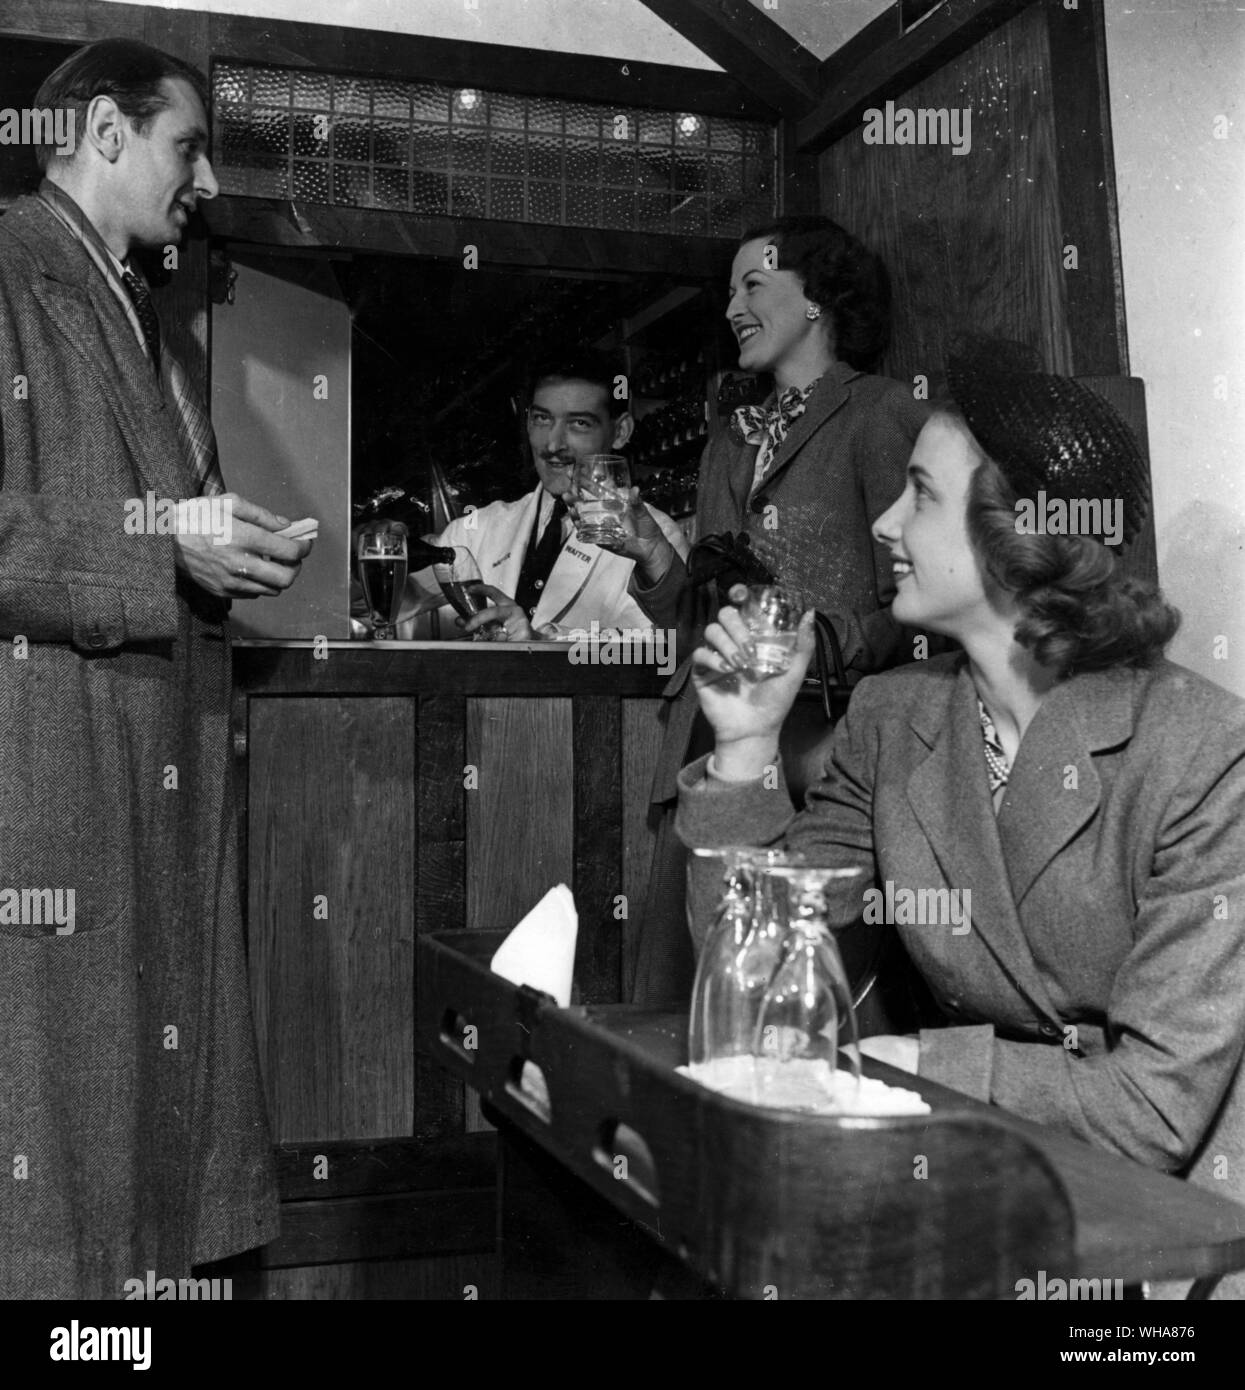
(585,584)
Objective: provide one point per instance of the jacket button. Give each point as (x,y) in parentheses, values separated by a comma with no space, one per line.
(1048,1030)
(540,584)
(96,639)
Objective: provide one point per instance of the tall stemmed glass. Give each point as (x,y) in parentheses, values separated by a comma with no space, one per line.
(463,587)
(807,1008)
(382,573)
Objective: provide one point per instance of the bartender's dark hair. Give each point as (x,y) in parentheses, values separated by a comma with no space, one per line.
(842,275)
(126,70)
(584,364)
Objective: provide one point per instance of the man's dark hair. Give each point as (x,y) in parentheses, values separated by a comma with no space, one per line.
(582,364)
(126,70)
(842,275)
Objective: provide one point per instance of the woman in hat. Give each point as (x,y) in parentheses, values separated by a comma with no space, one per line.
(1081,799)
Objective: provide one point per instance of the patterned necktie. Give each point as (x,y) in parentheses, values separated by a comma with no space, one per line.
(140,297)
(540,560)
(750,423)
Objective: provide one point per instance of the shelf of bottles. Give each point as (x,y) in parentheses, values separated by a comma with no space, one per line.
(670,404)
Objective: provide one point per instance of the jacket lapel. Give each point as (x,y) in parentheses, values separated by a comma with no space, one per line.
(1054,788)
(949,793)
(829,395)
(85,310)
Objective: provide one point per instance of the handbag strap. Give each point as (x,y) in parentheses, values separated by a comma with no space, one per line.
(831,671)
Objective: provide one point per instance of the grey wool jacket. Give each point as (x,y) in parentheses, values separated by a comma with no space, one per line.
(129,1082)
(1101,985)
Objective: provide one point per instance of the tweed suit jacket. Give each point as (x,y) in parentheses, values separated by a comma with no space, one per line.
(840,466)
(1101,986)
(128,1075)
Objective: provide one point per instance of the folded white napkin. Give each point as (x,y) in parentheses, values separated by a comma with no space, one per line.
(803,1085)
(540,951)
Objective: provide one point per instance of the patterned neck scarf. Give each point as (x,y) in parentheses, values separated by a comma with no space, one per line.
(752,424)
(194,426)
(996,759)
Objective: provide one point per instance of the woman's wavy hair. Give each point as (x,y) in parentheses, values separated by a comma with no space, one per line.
(1079,613)
(843,276)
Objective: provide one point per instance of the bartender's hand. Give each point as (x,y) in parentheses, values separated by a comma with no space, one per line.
(645,541)
(746,711)
(254,564)
(503,609)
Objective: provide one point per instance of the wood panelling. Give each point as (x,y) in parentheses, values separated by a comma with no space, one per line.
(322,1169)
(971,241)
(641,743)
(440,894)
(521,817)
(332,817)
(598,821)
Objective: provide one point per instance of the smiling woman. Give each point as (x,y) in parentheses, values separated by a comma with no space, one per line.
(802,477)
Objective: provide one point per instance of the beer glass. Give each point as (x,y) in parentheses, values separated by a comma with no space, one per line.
(382,573)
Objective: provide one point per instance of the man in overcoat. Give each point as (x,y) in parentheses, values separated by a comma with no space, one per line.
(132,1127)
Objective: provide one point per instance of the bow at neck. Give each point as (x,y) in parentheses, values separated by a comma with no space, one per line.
(751,424)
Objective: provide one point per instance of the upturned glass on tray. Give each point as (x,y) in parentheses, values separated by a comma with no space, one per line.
(382,557)
(742,951)
(602,485)
(463,586)
(806,1012)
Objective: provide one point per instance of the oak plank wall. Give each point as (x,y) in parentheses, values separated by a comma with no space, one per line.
(414,791)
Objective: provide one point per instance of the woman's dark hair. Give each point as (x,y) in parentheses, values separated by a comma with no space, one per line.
(1079,613)
(842,275)
(126,70)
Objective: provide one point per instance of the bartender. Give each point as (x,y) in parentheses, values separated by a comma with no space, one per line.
(543,581)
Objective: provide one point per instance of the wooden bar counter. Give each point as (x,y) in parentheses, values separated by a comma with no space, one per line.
(388,790)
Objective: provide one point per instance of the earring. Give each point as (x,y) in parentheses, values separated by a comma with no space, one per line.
(813,311)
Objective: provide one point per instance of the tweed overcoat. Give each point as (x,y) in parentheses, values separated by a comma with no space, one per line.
(1101,985)
(128,1076)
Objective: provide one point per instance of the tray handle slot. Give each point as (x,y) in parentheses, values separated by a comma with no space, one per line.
(460,1035)
(624,1154)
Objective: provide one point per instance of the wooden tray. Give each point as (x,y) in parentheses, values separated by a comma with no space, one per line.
(759,1203)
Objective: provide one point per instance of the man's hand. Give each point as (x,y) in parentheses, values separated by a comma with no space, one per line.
(746,711)
(503,609)
(256,563)
(645,541)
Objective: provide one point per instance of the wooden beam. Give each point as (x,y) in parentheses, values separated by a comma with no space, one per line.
(775,67)
(881,62)
(494,67)
(279,222)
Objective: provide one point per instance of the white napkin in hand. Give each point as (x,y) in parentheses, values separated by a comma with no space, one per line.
(540,951)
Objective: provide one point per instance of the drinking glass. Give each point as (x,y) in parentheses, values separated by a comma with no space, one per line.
(602,482)
(382,573)
(771,614)
(463,586)
(807,1006)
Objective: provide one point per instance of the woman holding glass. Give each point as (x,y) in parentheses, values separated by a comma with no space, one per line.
(801,477)
(1080,796)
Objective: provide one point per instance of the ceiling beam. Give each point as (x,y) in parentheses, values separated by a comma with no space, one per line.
(882,61)
(757,52)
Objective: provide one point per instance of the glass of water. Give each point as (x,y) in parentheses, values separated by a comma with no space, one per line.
(771,614)
(603,484)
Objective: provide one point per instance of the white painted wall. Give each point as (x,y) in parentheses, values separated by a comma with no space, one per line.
(1174,70)
(622,29)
